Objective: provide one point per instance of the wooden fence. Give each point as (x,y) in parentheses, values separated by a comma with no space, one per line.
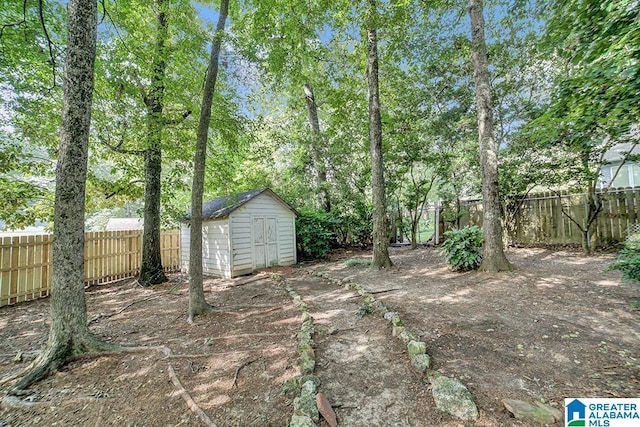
(25,261)
(545,218)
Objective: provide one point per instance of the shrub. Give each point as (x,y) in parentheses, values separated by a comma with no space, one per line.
(628,260)
(352,262)
(462,248)
(314,233)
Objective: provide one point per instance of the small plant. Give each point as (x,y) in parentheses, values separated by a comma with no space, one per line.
(364,309)
(357,261)
(462,248)
(628,260)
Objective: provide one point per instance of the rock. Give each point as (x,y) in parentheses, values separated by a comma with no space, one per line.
(306,359)
(397,330)
(416,347)
(452,397)
(325,409)
(368,298)
(537,412)
(381,307)
(390,315)
(421,361)
(303,379)
(301,421)
(305,405)
(408,335)
(309,387)
(304,338)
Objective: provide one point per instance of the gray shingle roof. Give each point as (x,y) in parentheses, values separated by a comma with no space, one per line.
(222,207)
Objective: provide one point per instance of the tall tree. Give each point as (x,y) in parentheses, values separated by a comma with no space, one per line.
(493,258)
(380,236)
(316,144)
(197,303)
(69,334)
(151,271)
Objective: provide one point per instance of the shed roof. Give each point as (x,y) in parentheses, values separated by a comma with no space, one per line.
(222,207)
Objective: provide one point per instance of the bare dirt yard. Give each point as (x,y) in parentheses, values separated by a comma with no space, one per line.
(558,326)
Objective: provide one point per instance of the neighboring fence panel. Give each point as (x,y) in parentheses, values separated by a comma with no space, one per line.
(25,261)
(549,217)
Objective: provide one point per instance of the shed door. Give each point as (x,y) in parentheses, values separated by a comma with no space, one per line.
(265,241)
(259,253)
(272,241)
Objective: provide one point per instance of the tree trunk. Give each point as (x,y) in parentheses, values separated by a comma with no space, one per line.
(414,234)
(197,303)
(69,334)
(380,238)
(318,160)
(493,258)
(151,271)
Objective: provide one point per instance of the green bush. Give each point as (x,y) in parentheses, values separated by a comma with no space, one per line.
(352,262)
(462,248)
(628,260)
(314,233)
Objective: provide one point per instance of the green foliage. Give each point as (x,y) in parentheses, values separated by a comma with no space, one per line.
(314,233)
(628,260)
(357,261)
(462,248)
(364,310)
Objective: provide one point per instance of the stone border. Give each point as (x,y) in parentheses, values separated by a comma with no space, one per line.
(449,394)
(305,409)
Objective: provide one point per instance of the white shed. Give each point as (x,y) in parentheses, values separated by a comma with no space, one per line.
(242,233)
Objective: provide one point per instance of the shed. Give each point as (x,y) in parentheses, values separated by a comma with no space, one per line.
(242,233)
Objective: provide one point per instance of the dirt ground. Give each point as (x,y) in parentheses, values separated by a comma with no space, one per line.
(557,326)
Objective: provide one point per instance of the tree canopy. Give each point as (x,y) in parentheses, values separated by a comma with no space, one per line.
(563,77)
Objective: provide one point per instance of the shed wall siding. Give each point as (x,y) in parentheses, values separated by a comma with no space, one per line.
(215,248)
(287,240)
(184,248)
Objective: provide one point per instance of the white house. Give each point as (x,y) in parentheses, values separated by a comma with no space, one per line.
(116,224)
(242,233)
(628,174)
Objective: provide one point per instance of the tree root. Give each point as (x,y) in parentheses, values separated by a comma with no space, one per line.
(235,376)
(187,398)
(50,361)
(193,406)
(107,315)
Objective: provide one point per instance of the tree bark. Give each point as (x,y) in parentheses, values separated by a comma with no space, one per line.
(493,258)
(69,334)
(151,271)
(197,303)
(318,160)
(380,237)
